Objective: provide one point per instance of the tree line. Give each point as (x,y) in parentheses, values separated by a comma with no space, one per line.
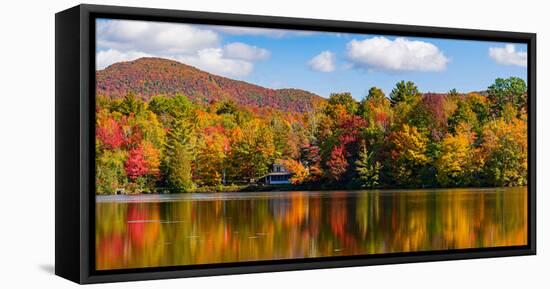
(407,139)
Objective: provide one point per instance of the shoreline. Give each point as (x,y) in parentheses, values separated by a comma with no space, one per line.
(284,188)
(279,194)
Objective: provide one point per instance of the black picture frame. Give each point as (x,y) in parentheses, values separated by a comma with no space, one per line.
(75,140)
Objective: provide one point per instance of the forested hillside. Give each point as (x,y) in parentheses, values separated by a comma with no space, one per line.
(160,136)
(148,77)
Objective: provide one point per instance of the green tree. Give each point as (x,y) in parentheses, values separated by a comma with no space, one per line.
(406,99)
(404,91)
(375,93)
(168,109)
(510,90)
(226,107)
(179,168)
(179,156)
(375,99)
(131,105)
(149,127)
(480,106)
(344,99)
(453,93)
(110,172)
(463,114)
(368,170)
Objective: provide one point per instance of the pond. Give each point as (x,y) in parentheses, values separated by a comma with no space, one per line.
(186,229)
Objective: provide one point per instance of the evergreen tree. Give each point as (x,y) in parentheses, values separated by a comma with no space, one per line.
(368,172)
(404,92)
(179,158)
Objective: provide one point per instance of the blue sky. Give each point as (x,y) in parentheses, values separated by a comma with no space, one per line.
(319,62)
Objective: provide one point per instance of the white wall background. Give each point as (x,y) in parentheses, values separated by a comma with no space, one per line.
(27,144)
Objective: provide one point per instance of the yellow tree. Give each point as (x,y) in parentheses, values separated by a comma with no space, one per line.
(252,151)
(151,155)
(297,169)
(211,155)
(408,154)
(455,163)
(504,150)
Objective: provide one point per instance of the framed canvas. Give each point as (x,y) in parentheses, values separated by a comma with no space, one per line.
(194,143)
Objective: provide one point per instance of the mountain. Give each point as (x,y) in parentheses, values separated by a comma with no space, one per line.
(146,77)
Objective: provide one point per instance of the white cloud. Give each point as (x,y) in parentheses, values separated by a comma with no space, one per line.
(124,40)
(213,60)
(399,54)
(508,55)
(108,57)
(243,51)
(154,37)
(323,62)
(234,30)
(258,31)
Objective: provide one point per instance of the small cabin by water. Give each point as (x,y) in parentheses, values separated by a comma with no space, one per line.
(279,175)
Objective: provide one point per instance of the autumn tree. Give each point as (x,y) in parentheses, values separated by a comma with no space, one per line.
(409,139)
(429,115)
(212,151)
(480,106)
(311,158)
(135,165)
(456,163)
(408,154)
(252,152)
(337,164)
(376,94)
(286,141)
(226,107)
(348,133)
(110,172)
(462,114)
(169,109)
(137,169)
(152,157)
(297,169)
(376,109)
(343,99)
(108,130)
(144,126)
(504,150)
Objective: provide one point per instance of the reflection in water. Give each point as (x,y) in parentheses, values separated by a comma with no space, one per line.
(230,227)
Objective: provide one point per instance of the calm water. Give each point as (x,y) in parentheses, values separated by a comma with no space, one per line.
(167,230)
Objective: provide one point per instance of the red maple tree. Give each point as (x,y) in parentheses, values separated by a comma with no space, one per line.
(136,165)
(337,163)
(110,133)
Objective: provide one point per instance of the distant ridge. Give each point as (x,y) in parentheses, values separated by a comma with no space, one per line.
(147,77)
